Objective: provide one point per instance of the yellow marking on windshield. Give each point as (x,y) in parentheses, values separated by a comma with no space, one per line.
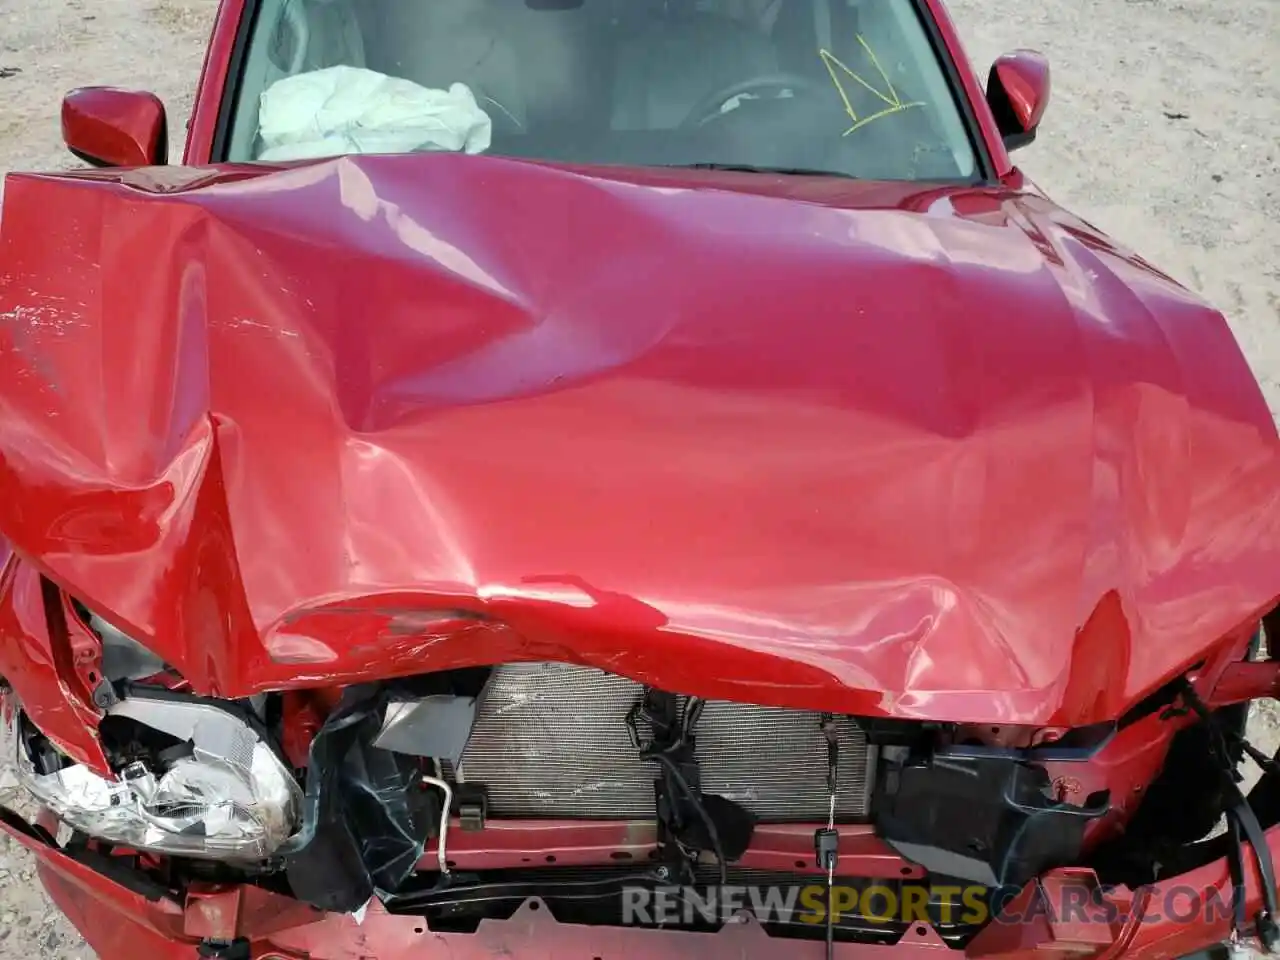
(888,94)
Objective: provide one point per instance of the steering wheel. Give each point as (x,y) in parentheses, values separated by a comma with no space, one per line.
(708,107)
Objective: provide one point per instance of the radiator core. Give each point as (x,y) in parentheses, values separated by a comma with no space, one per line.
(551,741)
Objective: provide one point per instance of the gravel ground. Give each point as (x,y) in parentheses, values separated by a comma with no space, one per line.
(1162,132)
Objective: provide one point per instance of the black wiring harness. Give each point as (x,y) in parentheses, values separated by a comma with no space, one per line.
(1243,825)
(689,821)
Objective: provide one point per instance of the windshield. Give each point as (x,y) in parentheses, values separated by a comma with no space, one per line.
(845,87)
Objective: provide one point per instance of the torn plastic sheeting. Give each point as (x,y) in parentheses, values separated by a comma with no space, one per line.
(366,817)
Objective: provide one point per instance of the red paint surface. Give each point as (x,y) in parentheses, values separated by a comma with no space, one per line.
(941,453)
(216,83)
(121,925)
(1247,681)
(42,676)
(1124,767)
(785,847)
(124,128)
(1024,75)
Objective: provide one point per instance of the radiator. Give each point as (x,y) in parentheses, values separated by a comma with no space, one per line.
(551,741)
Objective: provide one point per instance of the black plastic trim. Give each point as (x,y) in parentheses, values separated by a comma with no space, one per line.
(1011,131)
(91,160)
(112,868)
(365,818)
(988,820)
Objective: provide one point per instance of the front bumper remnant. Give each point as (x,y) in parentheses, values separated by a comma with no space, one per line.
(122,919)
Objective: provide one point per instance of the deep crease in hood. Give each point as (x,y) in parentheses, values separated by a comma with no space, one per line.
(873,448)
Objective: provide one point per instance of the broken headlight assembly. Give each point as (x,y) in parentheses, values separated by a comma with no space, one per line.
(197,779)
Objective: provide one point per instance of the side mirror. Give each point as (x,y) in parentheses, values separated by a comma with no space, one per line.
(1018,92)
(115,128)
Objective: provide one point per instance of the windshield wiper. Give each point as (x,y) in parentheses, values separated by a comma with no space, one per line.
(751,168)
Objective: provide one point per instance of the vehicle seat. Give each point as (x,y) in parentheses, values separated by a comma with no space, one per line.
(676,62)
(805,27)
(566,60)
(308,35)
(436,43)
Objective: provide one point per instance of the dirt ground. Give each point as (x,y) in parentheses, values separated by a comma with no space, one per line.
(1162,131)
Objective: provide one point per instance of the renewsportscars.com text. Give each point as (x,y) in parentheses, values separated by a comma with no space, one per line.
(964,905)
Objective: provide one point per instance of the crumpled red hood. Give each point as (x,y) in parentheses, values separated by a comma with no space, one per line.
(861,447)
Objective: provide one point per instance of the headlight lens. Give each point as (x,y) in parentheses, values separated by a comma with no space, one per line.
(228,798)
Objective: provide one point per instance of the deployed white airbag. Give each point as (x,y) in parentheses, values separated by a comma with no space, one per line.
(340,110)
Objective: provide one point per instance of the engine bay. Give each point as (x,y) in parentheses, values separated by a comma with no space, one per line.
(457,796)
